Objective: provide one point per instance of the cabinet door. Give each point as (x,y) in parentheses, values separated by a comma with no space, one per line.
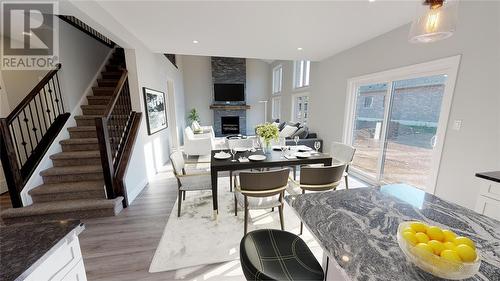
(488,207)
(77,273)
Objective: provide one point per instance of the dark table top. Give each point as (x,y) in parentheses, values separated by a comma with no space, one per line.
(273,159)
(21,245)
(492,176)
(357,227)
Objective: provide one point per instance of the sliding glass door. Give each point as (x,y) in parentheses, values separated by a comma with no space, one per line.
(395,126)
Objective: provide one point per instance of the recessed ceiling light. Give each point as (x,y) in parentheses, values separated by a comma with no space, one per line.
(371,0)
(196,41)
(299,48)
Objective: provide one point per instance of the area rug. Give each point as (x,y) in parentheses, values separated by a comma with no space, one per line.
(196,239)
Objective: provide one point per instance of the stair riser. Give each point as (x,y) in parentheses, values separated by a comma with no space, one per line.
(85,122)
(100,93)
(84,214)
(73,177)
(107,83)
(79,147)
(98,101)
(94,194)
(83,135)
(111,75)
(75,162)
(93,111)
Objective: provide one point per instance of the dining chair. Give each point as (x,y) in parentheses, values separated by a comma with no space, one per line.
(345,154)
(261,190)
(317,178)
(237,143)
(188,179)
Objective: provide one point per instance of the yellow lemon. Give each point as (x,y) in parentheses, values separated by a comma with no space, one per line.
(437,246)
(424,251)
(422,237)
(464,240)
(450,246)
(466,253)
(435,233)
(408,229)
(450,255)
(449,235)
(410,237)
(418,226)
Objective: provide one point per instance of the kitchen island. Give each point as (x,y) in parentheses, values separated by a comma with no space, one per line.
(41,251)
(357,230)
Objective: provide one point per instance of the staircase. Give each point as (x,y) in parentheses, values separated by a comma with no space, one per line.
(74,186)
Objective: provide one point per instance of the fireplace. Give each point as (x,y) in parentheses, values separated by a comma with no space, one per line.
(230,125)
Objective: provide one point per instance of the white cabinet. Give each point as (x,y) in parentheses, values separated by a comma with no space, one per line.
(488,202)
(62,263)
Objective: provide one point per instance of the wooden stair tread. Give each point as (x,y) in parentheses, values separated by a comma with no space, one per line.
(94,106)
(65,206)
(76,154)
(82,129)
(69,187)
(71,170)
(79,141)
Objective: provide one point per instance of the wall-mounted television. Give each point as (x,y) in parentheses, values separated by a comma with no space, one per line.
(229,92)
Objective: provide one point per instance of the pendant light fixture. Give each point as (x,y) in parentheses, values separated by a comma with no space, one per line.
(436,22)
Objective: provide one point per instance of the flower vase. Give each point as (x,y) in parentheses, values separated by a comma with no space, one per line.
(266,148)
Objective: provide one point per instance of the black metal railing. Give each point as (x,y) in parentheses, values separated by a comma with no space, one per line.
(75,22)
(112,132)
(29,130)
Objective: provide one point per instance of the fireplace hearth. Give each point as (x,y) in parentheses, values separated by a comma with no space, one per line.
(230,125)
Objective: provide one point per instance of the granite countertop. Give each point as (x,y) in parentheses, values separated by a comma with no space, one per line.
(492,176)
(22,245)
(358,227)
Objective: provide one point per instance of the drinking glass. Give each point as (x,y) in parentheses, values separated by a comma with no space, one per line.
(233,152)
(317,145)
(296,140)
(255,144)
(282,144)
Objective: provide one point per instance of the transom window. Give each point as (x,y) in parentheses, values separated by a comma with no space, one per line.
(301,70)
(300,108)
(277,79)
(276,108)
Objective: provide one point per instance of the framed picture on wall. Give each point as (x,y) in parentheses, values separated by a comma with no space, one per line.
(156,110)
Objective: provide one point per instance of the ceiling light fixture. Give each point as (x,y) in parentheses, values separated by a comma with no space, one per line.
(438,21)
(299,48)
(371,0)
(27,33)
(196,41)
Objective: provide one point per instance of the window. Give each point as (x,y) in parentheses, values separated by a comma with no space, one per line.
(368,102)
(277,79)
(301,70)
(399,139)
(300,108)
(276,108)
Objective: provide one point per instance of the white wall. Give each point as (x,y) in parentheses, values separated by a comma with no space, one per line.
(476,147)
(199,89)
(80,56)
(147,69)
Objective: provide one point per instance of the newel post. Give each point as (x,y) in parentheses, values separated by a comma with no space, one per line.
(106,157)
(10,165)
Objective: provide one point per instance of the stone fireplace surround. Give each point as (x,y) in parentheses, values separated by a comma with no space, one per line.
(229,70)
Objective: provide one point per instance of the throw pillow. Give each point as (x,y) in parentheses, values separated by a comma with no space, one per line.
(281,126)
(196,127)
(302,132)
(287,131)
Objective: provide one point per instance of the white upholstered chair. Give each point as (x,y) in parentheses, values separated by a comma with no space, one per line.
(345,154)
(198,144)
(188,179)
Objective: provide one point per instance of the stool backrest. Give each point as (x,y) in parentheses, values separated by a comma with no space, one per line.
(342,152)
(177,162)
(262,184)
(321,178)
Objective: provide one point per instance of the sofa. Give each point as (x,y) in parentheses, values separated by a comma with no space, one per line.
(306,137)
(200,143)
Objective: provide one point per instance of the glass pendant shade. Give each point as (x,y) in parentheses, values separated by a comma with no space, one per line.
(434,24)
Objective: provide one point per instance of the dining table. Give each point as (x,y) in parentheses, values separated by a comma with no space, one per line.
(273,159)
(357,230)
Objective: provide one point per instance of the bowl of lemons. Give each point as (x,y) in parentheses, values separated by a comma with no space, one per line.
(437,251)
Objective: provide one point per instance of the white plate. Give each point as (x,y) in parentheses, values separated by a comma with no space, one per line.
(241,149)
(222,156)
(304,148)
(302,155)
(257,157)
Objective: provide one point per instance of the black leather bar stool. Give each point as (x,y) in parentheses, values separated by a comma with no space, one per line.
(270,254)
